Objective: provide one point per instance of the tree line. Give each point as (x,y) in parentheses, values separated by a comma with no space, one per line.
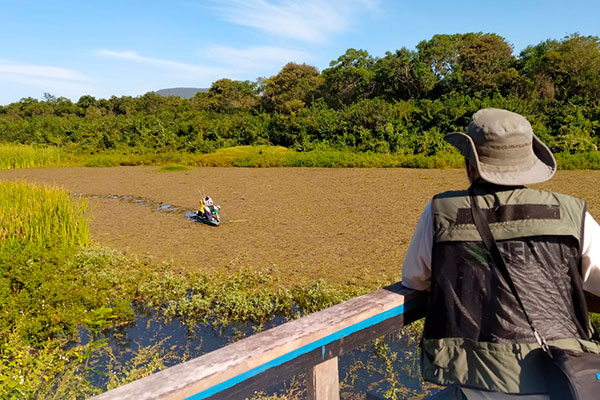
(403,102)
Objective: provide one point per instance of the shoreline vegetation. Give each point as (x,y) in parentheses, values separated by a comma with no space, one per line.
(263,156)
(362,111)
(56,285)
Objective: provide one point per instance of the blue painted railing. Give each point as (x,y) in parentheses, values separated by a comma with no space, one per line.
(308,345)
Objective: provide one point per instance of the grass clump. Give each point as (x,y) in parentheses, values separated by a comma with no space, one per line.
(52,283)
(41,215)
(174,167)
(248,295)
(24,156)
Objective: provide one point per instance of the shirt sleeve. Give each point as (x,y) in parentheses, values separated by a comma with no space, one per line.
(416,270)
(590,260)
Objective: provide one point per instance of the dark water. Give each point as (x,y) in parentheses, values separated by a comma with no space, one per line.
(156,205)
(389,365)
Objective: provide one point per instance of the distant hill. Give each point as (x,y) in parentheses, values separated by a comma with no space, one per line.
(185,92)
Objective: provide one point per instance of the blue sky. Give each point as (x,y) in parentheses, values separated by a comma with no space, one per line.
(129,47)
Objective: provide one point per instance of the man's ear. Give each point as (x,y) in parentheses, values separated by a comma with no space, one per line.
(472,173)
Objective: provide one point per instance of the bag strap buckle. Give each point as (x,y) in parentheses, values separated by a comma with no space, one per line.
(542,342)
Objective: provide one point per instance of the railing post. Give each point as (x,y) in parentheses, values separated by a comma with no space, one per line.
(322,381)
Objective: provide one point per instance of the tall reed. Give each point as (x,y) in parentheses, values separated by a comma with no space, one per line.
(23,156)
(41,215)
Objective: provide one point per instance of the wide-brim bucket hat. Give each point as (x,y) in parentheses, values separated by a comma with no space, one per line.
(502,147)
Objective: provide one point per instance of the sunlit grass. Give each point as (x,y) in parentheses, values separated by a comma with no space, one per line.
(264,156)
(23,156)
(41,215)
(174,167)
(245,156)
(276,156)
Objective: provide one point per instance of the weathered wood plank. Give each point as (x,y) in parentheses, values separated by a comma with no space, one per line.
(241,363)
(302,363)
(322,381)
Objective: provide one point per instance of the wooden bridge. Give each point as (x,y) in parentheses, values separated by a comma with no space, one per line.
(308,345)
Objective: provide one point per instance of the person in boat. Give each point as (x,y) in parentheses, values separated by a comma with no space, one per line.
(209,209)
(476,337)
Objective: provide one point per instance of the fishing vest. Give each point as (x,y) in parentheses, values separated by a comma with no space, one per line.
(475,334)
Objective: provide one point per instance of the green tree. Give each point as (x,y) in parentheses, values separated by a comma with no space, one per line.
(227,95)
(563,69)
(486,62)
(402,76)
(349,78)
(293,88)
(472,63)
(86,101)
(535,80)
(150,103)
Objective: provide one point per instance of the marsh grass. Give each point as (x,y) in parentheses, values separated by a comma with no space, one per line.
(261,156)
(23,156)
(41,215)
(245,156)
(174,168)
(275,156)
(246,296)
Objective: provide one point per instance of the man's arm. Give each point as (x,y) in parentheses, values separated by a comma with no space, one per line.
(416,270)
(590,262)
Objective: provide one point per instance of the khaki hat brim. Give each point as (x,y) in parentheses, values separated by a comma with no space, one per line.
(541,169)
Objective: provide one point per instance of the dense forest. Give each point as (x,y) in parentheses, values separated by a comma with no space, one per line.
(401,103)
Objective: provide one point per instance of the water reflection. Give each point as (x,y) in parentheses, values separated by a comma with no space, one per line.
(387,366)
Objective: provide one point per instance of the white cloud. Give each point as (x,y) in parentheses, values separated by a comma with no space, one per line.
(41,78)
(159,62)
(256,58)
(306,20)
(10,69)
(226,62)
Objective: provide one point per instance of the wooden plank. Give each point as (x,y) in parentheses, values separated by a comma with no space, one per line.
(302,363)
(323,382)
(240,363)
(333,349)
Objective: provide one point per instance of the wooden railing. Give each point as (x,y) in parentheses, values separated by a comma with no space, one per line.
(308,345)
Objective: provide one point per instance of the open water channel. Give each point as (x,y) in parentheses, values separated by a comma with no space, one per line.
(389,366)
